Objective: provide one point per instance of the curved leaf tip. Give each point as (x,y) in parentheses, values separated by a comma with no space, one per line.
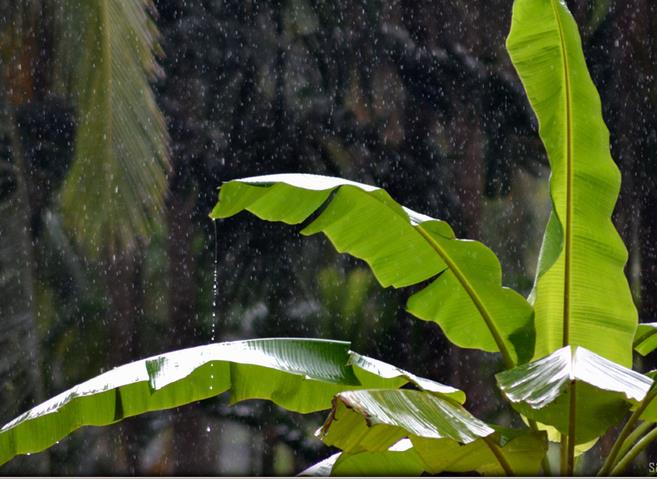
(302,375)
(403,248)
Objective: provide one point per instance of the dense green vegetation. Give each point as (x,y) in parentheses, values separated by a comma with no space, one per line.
(567,349)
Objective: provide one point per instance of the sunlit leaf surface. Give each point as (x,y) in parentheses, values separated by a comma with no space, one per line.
(581,295)
(403,248)
(522,449)
(604,391)
(373,425)
(298,374)
(399,460)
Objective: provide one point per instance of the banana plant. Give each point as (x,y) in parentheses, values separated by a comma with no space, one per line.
(566,349)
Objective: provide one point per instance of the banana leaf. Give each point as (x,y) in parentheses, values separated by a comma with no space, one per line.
(604,391)
(581,295)
(523,450)
(399,460)
(403,248)
(301,375)
(444,436)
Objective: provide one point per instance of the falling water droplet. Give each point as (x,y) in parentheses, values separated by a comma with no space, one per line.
(208,429)
(215,285)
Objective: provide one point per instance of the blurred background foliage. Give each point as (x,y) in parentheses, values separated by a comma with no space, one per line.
(120,118)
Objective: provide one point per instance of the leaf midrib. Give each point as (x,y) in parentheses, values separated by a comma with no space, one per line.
(472,292)
(569,179)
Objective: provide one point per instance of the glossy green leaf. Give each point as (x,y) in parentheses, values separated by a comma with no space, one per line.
(400,460)
(298,374)
(604,391)
(374,420)
(114,193)
(445,437)
(523,450)
(403,248)
(645,339)
(378,374)
(581,295)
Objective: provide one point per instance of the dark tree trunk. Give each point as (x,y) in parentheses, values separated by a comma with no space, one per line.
(125,292)
(189,457)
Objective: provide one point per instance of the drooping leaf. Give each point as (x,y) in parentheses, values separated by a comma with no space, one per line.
(114,191)
(604,391)
(445,437)
(378,374)
(299,374)
(581,295)
(645,340)
(374,420)
(403,248)
(399,460)
(522,449)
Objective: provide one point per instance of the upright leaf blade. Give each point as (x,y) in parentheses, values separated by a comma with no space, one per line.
(301,375)
(581,296)
(402,248)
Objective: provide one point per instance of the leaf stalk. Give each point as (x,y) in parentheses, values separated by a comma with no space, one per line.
(625,432)
(499,456)
(634,452)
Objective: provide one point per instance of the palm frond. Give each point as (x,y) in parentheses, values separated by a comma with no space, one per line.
(115,190)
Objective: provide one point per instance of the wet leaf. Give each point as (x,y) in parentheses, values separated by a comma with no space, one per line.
(581,295)
(403,248)
(523,450)
(400,460)
(604,391)
(371,424)
(298,374)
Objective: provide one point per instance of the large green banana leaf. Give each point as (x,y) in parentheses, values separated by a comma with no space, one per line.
(403,248)
(581,295)
(444,436)
(523,450)
(301,375)
(400,460)
(604,391)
